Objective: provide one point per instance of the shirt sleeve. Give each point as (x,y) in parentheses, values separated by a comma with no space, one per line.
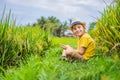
(83,42)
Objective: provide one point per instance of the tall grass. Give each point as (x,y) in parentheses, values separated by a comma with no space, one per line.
(107,30)
(17,43)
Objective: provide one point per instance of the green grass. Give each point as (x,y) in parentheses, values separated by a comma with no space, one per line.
(51,68)
(65,40)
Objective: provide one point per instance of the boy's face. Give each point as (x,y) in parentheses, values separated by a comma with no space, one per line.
(78,30)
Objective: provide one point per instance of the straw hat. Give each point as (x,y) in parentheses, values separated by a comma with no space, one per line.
(77,21)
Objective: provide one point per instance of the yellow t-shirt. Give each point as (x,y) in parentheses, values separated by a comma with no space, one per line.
(86,41)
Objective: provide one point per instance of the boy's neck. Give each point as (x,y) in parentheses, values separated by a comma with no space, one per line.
(82,35)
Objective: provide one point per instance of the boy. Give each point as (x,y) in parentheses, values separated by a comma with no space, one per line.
(86,45)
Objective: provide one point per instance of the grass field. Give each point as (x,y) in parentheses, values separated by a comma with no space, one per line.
(51,68)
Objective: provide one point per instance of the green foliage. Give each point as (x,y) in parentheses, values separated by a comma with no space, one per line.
(50,68)
(91,28)
(108,30)
(51,23)
(18,42)
(7,52)
(25,72)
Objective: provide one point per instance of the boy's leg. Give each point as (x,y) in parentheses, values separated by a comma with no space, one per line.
(64,56)
(77,56)
(63,53)
(74,55)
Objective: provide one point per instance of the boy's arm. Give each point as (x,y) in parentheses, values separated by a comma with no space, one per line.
(68,48)
(78,53)
(81,51)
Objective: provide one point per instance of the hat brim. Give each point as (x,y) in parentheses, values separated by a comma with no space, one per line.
(77,22)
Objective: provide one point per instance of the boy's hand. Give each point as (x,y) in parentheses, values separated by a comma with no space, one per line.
(64,46)
(68,49)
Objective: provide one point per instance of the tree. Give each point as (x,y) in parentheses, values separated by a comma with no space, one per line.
(41,22)
(53,24)
(92,26)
